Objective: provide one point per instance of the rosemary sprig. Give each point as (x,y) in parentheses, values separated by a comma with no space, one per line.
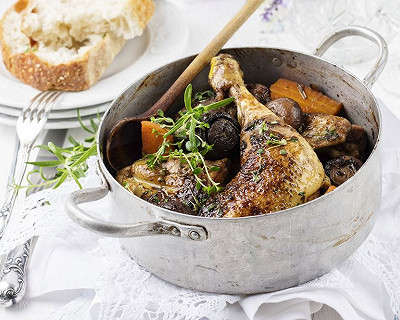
(71,162)
(188,146)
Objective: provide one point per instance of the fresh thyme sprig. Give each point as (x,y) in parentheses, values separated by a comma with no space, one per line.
(71,162)
(188,146)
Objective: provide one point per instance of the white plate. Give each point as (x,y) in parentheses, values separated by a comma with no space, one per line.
(66,123)
(61,114)
(163,40)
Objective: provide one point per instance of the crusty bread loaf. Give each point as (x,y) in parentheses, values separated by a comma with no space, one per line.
(65,22)
(52,54)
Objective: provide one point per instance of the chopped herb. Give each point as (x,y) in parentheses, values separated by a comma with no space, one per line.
(283,152)
(215,168)
(260,151)
(30,49)
(274,122)
(156,199)
(276,141)
(256,176)
(302,193)
(331,134)
(264,128)
(294,139)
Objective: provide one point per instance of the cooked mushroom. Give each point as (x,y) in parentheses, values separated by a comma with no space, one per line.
(341,169)
(288,110)
(325,130)
(177,206)
(260,92)
(223,134)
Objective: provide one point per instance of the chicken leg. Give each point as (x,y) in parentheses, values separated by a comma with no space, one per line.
(279,169)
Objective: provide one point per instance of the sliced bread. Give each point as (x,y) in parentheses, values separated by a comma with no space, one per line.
(65,22)
(60,60)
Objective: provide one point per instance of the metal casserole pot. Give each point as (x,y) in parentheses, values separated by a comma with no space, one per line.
(250,254)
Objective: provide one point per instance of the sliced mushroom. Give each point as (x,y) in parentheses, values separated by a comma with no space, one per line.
(341,169)
(260,92)
(325,130)
(288,110)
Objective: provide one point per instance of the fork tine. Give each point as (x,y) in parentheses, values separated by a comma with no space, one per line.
(48,104)
(40,94)
(35,102)
(43,103)
(53,100)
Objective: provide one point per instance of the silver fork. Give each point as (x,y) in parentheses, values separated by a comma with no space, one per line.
(29,125)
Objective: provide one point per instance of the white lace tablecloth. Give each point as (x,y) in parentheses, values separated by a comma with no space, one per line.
(75,274)
(103,282)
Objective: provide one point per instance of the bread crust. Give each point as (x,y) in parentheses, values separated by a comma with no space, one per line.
(76,75)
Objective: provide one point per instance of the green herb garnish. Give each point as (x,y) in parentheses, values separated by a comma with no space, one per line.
(263,128)
(256,176)
(283,152)
(71,162)
(331,134)
(276,141)
(189,147)
(202,96)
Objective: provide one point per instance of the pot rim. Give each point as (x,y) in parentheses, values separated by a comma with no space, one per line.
(106,172)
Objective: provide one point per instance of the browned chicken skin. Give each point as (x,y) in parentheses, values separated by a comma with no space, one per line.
(279,169)
(355,145)
(171,184)
(325,130)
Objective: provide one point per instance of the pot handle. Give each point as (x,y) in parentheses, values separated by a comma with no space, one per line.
(363,32)
(120,230)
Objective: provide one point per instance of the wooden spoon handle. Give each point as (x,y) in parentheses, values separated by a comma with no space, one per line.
(204,57)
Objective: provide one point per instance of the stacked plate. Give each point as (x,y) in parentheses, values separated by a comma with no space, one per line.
(162,41)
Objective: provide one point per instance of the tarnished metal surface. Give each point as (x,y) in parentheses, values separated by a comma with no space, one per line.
(261,253)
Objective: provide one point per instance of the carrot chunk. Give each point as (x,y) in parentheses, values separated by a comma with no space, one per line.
(152,137)
(330,189)
(309,100)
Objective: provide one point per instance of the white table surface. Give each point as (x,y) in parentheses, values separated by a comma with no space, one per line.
(199,35)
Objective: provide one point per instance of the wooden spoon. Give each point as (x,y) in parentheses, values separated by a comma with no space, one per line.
(125,138)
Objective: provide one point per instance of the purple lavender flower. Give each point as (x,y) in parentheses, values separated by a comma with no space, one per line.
(272,9)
